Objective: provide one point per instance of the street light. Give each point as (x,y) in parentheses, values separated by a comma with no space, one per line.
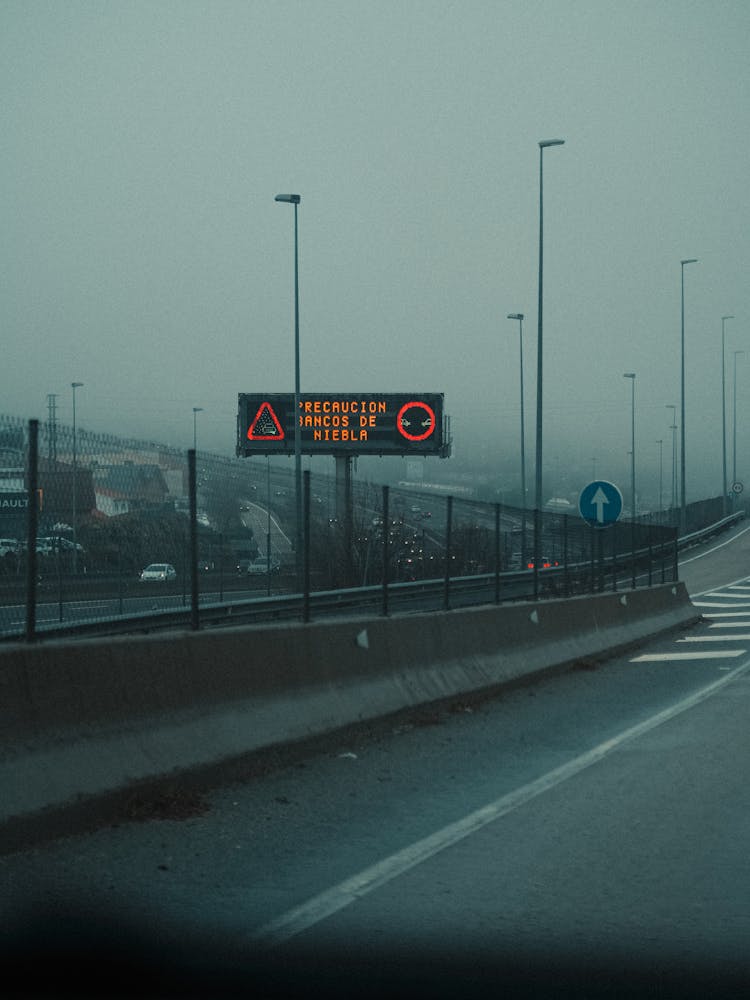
(294,199)
(196,410)
(673,428)
(734,423)
(74,386)
(660,442)
(519,317)
(723,420)
(631,376)
(544,144)
(683,504)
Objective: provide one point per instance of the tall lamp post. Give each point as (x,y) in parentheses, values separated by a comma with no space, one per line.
(294,199)
(660,442)
(544,144)
(74,386)
(631,376)
(196,411)
(673,428)
(683,502)
(734,421)
(519,317)
(723,420)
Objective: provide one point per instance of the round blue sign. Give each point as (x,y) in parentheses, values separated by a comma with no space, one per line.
(600,503)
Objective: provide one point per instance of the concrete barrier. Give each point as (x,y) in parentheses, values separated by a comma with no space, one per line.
(89,718)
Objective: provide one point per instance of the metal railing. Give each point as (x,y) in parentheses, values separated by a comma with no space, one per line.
(388,550)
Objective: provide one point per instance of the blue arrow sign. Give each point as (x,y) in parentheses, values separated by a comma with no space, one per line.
(600,503)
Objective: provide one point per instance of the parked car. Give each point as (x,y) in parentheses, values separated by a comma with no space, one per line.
(158,571)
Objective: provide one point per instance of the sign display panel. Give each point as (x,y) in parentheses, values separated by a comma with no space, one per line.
(335,423)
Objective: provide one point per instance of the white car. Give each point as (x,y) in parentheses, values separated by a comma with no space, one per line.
(259,566)
(8,545)
(159,571)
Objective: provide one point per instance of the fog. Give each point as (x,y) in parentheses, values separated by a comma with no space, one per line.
(144,255)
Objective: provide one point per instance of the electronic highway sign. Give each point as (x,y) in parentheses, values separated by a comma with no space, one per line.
(342,423)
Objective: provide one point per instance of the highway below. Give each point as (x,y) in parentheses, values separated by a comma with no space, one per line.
(582,835)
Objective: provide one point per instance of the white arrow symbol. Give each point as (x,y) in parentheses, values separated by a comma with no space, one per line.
(598,500)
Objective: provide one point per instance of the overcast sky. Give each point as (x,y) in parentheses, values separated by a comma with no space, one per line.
(143,253)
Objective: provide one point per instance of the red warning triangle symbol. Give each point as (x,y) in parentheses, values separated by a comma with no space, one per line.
(266,426)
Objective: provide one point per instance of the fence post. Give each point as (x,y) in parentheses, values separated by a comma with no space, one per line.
(31,531)
(192,490)
(614,555)
(386,554)
(448,530)
(306,546)
(497,553)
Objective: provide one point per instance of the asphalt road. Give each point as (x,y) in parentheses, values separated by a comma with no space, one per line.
(585,835)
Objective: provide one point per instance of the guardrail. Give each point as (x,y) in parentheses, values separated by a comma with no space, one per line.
(486,538)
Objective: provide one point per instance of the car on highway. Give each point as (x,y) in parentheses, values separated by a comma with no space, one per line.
(9,546)
(258,566)
(544,563)
(159,572)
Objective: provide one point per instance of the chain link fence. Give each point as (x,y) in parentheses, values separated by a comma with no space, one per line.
(95,528)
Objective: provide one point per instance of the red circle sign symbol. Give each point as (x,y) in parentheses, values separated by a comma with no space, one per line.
(415,421)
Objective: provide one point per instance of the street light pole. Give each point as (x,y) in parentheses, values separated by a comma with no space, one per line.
(660,442)
(544,144)
(673,428)
(74,386)
(723,420)
(683,501)
(631,376)
(519,317)
(196,411)
(294,199)
(734,422)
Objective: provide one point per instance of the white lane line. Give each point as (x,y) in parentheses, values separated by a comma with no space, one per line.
(726,614)
(716,638)
(710,604)
(715,548)
(720,654)
(745,624)
(332,900)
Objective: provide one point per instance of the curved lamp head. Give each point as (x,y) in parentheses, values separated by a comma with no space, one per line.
(293,199)
(515,315)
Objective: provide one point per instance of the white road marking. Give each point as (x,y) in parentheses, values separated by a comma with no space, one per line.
(716,638)
(710,604)
(317,909)
(715,548)
(745,624)
(721,654)
(726,614)
(734,598)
